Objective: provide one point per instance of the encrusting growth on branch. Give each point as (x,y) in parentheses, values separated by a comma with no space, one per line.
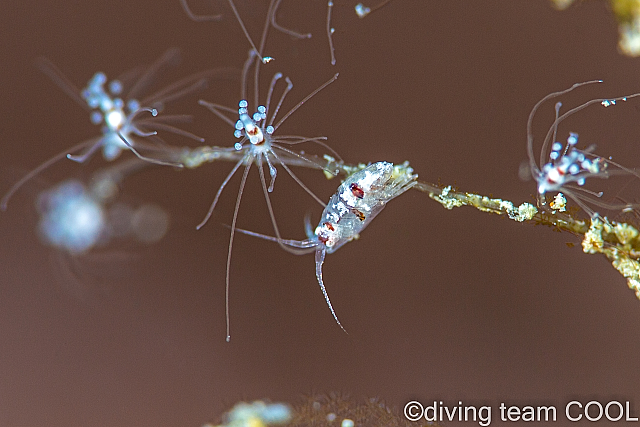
(618,241)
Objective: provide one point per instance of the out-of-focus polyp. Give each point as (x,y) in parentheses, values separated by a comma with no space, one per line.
(70,218)
(76,219)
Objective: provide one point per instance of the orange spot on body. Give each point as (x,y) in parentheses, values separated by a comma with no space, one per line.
(359,214)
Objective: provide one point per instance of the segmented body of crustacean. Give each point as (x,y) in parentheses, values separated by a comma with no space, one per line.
(357,201)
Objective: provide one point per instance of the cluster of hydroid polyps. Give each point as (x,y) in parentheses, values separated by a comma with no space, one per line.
(341,410)
(564,169)
(256,414)
(77,217)
(334,410)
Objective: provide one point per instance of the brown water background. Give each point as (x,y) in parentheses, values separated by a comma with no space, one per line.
(440,305)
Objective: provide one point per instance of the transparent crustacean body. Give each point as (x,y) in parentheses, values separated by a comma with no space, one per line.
(256,125)
(260,145)
(359,199)
(257,139)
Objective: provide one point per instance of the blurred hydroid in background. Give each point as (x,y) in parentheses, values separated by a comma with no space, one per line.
(440,305)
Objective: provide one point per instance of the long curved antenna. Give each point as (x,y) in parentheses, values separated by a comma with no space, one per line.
(320,253)
(5,199)
(215,199)
(299,139)
(198,18)
(306,98)
(132,117)
(286,30)
(586,190)
(618,165)
(300,244)
(256,85)
(233,229)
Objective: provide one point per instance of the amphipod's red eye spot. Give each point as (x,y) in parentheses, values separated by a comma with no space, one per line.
(359,214)
(324,237)
(357,190)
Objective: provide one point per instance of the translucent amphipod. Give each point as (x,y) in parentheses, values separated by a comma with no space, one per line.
(257,139)
(259,143)
(566,168)
(120,116)
(359,199)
